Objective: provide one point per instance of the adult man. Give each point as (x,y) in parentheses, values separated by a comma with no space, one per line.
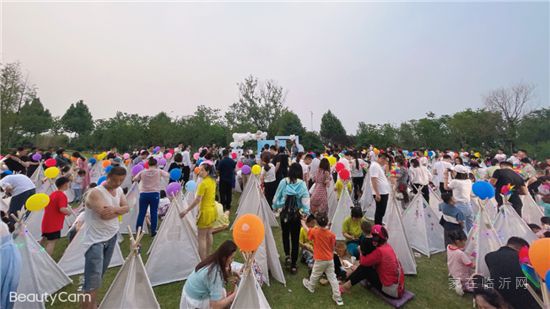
(439,169)
(380,186)
(20,187)
(507,275)
(18,162)
(186,160)
(504,176)
(226,167)
(142,157)
(60,158)
(104,204)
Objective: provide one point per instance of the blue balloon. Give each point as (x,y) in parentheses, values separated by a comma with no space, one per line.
(483,190)
(101,179)
(175,174)
(199,161)
(191,186)
(108,169)
(7,172)
(431,153)
(548,280)
(92,161)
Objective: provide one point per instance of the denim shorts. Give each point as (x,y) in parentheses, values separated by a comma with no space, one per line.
(97,259)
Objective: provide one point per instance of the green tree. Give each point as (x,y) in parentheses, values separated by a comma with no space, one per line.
(312,141)
(533,133)
(160,130)
(78,119)
(205,127)
(289,123)
(34,119)
(432,132)
(332,130)
(259,104)
(475,129)
(379,135)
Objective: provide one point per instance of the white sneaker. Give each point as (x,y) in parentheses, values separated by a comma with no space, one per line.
(306,284)
(458,289)
(338,301)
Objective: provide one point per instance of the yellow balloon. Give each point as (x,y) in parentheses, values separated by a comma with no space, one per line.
(37,201)
(256,169)
(101,156)
(51,172)
(331,160)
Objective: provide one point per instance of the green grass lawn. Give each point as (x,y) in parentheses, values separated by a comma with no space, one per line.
(430,286)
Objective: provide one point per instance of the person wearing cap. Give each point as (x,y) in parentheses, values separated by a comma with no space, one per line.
(461,187)
(381,268)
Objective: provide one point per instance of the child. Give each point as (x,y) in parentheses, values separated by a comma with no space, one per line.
(222,221)
(366,245)
(343,262)
(306,244)
(453,218)
(339,186)
(54,215)
(545,227)
(77,185)
(535,228)
(164,203)
(351,229)
(324,242)
(459,264)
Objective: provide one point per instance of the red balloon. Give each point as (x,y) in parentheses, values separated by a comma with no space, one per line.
(50,162)
(344,174)
(146,165)
(339,166)
(233,155)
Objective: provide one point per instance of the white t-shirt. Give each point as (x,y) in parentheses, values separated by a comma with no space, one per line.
(462,190)
(269,176)
(18,182)
(96,229)
(357,172)
(376,171)
(313,167)
(420,175)
(186,158)
(305,168)
(439,169)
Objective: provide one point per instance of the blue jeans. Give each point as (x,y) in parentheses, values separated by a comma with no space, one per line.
(97,259)
(147,199)
(466,210)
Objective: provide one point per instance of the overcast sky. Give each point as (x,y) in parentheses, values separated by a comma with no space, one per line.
(372,62)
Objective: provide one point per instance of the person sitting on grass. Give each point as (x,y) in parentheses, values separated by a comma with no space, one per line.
(381,268)
(460,265)
(222,221)
(488,298)
(343,263)
(54,215)
(351,229)
(306,244)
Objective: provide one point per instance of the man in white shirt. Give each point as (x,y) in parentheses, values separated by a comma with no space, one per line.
(186,160)
(439,169)
(380,186)
(20,188)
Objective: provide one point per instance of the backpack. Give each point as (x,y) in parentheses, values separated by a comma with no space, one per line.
(291,211)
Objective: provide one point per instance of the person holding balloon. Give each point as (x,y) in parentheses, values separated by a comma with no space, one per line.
(206,198)
(20,188)
(54,215)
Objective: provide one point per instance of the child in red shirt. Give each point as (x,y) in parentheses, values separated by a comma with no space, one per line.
(54,215)
(324,242)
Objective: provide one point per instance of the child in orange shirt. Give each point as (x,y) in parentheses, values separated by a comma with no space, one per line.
(324,242)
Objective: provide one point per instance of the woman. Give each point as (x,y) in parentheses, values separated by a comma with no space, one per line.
(268,178)
(206,198)
(420,178)
(10,265)
(381,268)
(351,229)
(319,199)
(281,164)
(204,287)
(149,196)
(292,196)
(461,186)
(82,165)
(357,175)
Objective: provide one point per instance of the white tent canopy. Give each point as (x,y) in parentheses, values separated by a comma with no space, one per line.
(332,199)
(368,205)
(39,272)
(342,211)
(508,223)
(131,287)
(130,218)
(174,252)
(482,239)
(397,237)
(425,234)
(531,212)
(249,293)
(490,206)
(435,200)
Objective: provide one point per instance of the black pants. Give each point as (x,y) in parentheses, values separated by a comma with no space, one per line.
(442,188)
(340,273)
(225,194)
(16,203)
(186,170)
(364,272)
(357,187)
(269,190)
(380,208)
(425,191)
(291,239)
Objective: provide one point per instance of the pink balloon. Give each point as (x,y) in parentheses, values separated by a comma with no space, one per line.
(234,155)
(126,156)
(240,164)
(196,156)
(168,156)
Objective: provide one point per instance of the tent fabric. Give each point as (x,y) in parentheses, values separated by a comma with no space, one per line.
(482,239)
(435,200)
(38,176)
(368,205)
(397,237)
(332,199)
(131,287)
(246,190)
(425,234)
(127,183)
(130,218)
(39,272)
(175,249)
(531,212)
(249,294)
(508,223)
(95,172)
(72,261)
(342,211)
(490,206)
(5,204)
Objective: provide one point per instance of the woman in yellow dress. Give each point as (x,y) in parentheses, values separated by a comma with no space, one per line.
(206,198)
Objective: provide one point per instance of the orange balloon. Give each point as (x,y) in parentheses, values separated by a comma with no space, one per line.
(196,170)
(539,255)
(248,232)
(105,163)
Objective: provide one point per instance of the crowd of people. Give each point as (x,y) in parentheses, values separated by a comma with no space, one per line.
(296,185)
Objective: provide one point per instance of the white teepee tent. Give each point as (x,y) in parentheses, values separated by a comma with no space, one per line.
(531,212)
(249,293)
(72,261)
(490,207)
(244,194)
(175,251)
(368,205)
(38,176)
(127,183)
(342,211)
(95,172)
(435,200)
(253,201)
(508,223)
(425,234)
(130,218)
(39,272)
(131,287)
(397,237)
(482,239)
(332,199)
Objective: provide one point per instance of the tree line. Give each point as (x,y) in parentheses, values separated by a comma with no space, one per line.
(504,122)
